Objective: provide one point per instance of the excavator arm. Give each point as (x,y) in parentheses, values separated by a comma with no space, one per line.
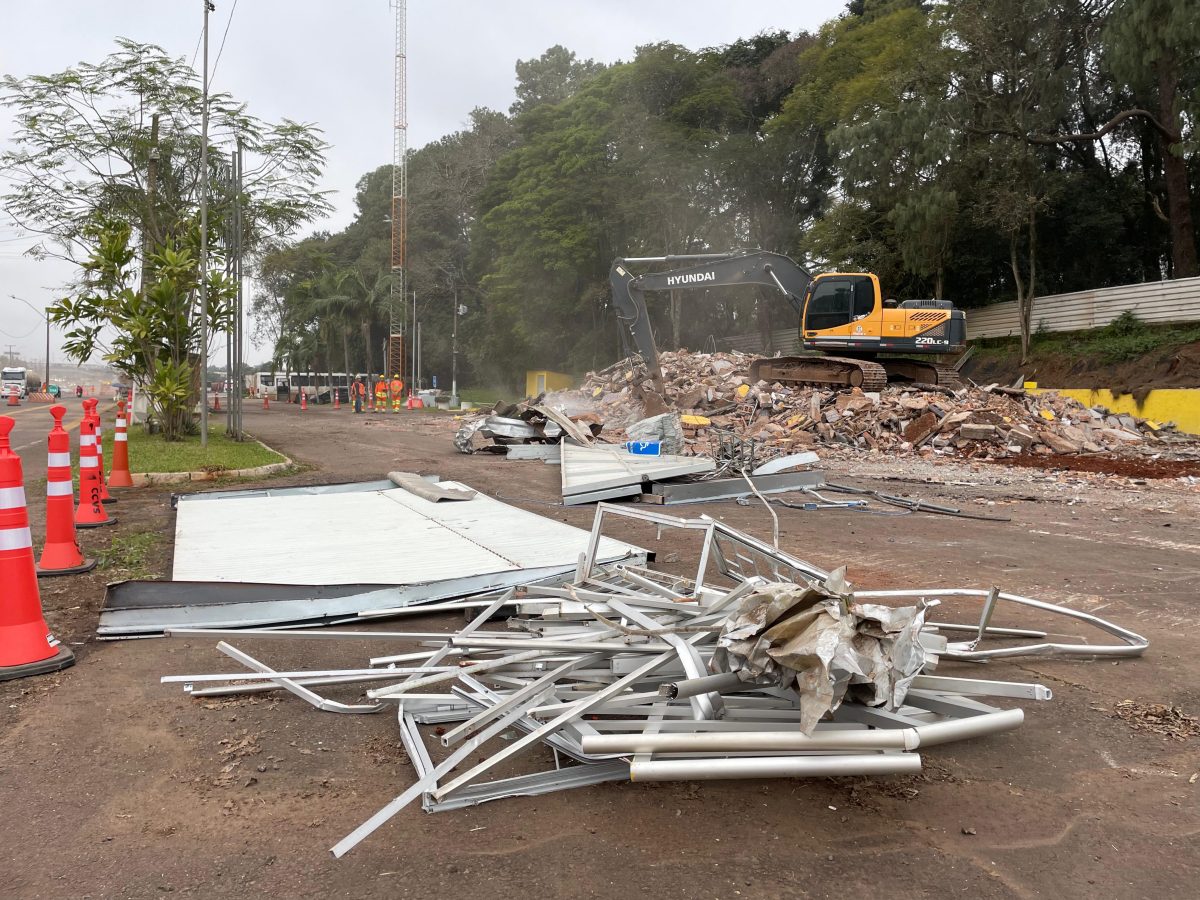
(699,271)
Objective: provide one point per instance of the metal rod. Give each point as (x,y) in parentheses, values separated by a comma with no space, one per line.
(774,767)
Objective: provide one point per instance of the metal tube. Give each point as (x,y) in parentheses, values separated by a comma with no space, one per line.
(974,726)
(326,673)
(1135,644)
(514,699)
(749,741)
(774,767)
(398,690)
(550,644)
(691,687)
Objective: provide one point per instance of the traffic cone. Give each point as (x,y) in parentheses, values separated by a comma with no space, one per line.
(216,407)
(26,645)
(336,399)
(105,497)
(90,513)
(14,396)
(266,405)
(119,475)
(60,554)
(303,400)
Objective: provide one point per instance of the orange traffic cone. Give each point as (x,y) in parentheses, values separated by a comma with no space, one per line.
(105,497)
(216,407)
(60,554)
(266,405)
(26,645)
(90,513)
(303,400)
(337,396)
(119,475)
(14,396)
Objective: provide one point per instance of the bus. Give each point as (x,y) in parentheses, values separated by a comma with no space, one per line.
(315,385)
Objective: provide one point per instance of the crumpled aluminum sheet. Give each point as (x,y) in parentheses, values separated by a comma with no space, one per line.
(462,437)
(813,637)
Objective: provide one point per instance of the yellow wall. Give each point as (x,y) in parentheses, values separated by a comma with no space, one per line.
(1178,405)
(540,380)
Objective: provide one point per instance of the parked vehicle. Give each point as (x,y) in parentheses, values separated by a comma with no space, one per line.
(14,376)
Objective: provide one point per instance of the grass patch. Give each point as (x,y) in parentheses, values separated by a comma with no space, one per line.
(1126,337)
(128,555)
(488,396)
(150,453)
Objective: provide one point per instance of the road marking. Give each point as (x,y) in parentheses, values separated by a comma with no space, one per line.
(68,428)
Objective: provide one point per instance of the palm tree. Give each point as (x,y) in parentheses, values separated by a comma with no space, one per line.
(371,304)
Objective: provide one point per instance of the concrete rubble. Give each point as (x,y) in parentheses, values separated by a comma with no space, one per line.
(628,673)
(714,392)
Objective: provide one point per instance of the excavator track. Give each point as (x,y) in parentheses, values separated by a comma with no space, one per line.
(839,371)
(922,370)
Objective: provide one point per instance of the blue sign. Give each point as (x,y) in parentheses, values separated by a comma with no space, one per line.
(644,448)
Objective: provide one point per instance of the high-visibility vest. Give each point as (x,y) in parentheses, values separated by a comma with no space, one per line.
(381,388)
(358,389)
(397,386)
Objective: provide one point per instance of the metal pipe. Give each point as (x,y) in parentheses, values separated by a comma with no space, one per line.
(1135,644)
(749,741)
(974,726)
(774,767)
(691,687)
(474,641)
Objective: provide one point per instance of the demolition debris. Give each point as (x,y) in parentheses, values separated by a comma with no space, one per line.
(993,422)
(626,673)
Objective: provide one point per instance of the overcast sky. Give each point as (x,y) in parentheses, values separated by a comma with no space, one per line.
(331,62)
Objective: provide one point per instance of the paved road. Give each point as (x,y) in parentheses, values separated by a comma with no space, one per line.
(33,423)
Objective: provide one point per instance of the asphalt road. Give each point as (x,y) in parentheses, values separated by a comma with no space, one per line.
(33,421)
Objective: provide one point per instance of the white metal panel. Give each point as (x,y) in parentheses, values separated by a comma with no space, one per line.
(370,537)
(587,469)
(1158,301)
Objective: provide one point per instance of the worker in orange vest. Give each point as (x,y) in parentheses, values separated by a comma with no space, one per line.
(358,393)
(381,392)
(397,393)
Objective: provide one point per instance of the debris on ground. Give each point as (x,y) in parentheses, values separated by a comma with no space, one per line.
(1158,718)
(991,422)
(634,674)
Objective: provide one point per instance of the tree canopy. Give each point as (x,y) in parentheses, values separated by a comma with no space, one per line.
(975,150)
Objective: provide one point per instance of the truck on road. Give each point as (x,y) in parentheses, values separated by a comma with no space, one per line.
(14,377)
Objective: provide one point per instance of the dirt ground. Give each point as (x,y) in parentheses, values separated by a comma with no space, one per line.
(117,786)
(1177,366)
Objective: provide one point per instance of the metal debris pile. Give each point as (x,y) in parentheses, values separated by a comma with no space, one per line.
(714,390)
(761,665)
(511,425)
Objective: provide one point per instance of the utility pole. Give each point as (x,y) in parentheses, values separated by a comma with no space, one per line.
(208,7)
(237,250)
(454,355)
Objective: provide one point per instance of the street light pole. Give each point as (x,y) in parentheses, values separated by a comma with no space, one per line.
(204,238)
(454,355)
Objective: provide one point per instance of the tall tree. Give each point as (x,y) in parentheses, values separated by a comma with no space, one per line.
(1153,47)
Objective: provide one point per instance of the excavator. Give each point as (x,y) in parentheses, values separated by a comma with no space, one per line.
(842,316)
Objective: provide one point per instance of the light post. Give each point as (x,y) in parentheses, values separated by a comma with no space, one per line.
(454,355)
(45,314)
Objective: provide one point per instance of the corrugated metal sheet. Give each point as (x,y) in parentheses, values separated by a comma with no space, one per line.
(1158,301)
(589,469)
(369,536)
(784,341)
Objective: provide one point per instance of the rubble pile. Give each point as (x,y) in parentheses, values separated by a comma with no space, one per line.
(713,391)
